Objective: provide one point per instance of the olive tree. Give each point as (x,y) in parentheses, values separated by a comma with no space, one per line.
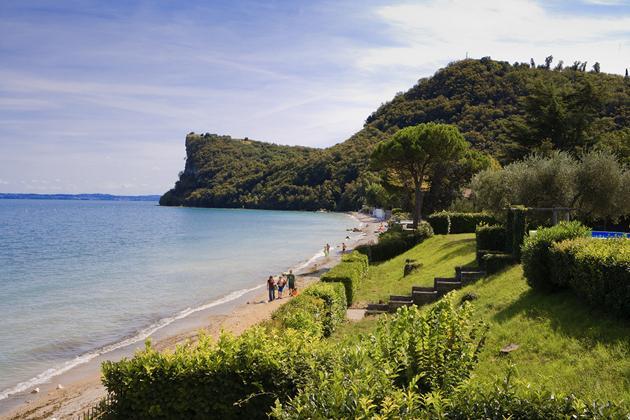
(413,151)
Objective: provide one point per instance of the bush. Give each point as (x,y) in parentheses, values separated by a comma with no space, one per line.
(334,297)
(598,270)
(304,313)
(506,401)
(350,272)
(449,222)
(493,263)
(233,378)
(490,237)
(411,354)
(395,242)
(536,255)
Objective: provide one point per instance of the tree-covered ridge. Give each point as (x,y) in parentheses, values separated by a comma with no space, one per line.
(501,109)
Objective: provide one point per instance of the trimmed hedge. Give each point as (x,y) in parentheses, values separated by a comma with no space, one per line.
(334,297)
(350,272)
(536,257)
(237,377)
(490,237)
(444,222)
(598,270)
(495,262)
(393,243)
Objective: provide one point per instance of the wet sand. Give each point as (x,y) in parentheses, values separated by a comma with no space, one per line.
(82,386)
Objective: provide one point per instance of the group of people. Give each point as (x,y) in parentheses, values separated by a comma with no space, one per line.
(343,247)
(278,284)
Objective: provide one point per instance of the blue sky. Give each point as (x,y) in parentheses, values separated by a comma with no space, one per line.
(98,96)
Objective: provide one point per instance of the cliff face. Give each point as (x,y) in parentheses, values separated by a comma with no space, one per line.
(485,99)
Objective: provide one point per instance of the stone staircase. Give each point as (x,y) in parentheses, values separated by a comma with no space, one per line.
(421,295)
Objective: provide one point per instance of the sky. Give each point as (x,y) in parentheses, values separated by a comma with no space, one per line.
(98,96)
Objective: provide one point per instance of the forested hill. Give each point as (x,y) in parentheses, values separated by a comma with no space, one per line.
(502,109)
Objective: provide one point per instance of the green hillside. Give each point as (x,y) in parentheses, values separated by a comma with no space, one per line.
(502,109)
(565,346)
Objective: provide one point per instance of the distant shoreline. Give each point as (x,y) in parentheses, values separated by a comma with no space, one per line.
(80,197)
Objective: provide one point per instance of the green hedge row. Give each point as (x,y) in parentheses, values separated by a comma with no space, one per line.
(537,263)
(395,242)
(318,310)
(598,270)
(237,377)
(350,272)
(450,222)
(490,237)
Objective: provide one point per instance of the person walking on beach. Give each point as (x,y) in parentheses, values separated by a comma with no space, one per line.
(327,250)
(271,286)
(291,281)
(281,283)
(343,247)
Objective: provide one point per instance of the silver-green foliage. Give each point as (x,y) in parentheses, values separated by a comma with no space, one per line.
(597,184)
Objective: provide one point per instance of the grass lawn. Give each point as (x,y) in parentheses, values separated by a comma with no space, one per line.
(439,255)
(564,345)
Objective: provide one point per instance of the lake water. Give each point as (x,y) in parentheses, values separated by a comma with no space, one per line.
(77,277)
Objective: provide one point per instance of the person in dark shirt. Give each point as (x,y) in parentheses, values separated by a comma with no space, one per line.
(271,286)
(291,282)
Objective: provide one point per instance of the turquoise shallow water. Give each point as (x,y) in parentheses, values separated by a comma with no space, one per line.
(76,276)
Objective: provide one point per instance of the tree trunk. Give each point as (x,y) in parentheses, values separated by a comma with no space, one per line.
(417,214)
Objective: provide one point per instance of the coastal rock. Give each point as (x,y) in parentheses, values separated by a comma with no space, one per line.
(59,386)
(35,391)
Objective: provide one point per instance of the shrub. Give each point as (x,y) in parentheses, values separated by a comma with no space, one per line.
(395,242)
(493,263)
(304,313)
(598,270)
(410,354)
(490,237)
(449,222)
(350,272)
(506,401)
(233,378)
(334,297)
(536,255)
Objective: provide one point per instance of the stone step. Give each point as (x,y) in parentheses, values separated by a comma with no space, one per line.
(445,285)
(422,297)
(437,280)
(422,289)
(375,312)
(403,298)
(378,307)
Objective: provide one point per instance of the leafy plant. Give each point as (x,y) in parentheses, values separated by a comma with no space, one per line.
(537,263)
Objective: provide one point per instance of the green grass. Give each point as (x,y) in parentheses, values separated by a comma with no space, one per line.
(439,255)
(564,345)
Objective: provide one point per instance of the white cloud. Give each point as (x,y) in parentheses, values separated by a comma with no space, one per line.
(439,31)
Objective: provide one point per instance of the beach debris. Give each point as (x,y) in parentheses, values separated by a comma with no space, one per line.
(59,386)
(35,391)
(509,348)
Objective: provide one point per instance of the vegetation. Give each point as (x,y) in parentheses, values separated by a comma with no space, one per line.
(500,109)
(438,256)
(318,310)
(596,184)
(350,272)
(596,270)
(395,241)
(413,152)
(452,222)
(536,254)
(438,361)
(490,237)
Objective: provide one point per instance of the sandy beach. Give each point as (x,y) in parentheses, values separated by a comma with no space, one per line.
(80,388)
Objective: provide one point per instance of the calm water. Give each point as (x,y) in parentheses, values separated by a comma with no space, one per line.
(76,276)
